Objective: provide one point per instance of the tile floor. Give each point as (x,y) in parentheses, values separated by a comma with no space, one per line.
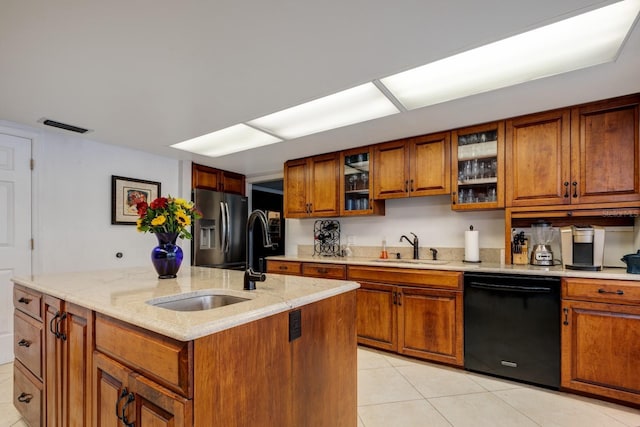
(396,391)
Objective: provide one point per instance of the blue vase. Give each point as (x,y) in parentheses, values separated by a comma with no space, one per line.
(167,256)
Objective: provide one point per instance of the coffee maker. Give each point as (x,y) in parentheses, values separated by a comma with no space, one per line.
(582,247)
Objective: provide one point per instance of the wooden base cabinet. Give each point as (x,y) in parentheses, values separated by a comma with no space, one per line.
(422,321)
(601,338)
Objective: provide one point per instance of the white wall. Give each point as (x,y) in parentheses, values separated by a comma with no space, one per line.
(72,203)
(431,218)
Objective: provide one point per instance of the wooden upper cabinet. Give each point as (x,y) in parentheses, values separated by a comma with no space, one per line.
(477,167)
(356,183)
(412,167)
(214,179)
(585,154)
(605,151)
(538,159)
(311,187)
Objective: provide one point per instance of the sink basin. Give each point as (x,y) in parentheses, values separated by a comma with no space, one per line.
(196,302)
(411,261)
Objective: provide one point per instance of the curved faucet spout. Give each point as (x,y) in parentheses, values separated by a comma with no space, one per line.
(250,275)
(413,243)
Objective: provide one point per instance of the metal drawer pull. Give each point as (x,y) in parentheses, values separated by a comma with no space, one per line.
(322,270)
(130,398)
(25,397)
(24,343)
(24,300)
(618,292)
(283,267)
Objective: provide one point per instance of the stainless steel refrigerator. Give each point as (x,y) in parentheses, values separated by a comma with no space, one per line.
(219,237)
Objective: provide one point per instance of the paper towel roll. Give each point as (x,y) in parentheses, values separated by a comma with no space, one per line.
(471,246)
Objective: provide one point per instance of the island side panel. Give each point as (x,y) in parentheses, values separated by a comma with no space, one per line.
(254,375)
(243,375)
(325,364)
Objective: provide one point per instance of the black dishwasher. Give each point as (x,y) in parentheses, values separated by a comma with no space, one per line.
(512,327)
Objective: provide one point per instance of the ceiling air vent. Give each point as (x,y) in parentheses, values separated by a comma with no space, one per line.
(63,126)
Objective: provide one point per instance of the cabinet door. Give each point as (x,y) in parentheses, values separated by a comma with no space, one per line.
(429,165)
(605,151)
(430,324)
(109,391)
(538,159)
(155,406)
(323,185)
(377,320)
(76,382)
(391,170)
(600,348)
(205,177)
(53,361)
(232,183)
(295,189)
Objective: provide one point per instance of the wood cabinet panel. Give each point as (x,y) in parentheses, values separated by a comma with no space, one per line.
(110,378)
(391,173)
(538,159)
(615,291)
(600,349)
(28,339)
(28,395)
(406,276)
(325,271)
(284,267)
(430,324)
(209,178)
(311,187)
(377,320)
(430,165)
(234,391)
(605,148)
(134,346)
(233,183)
(27,301)
(155,406)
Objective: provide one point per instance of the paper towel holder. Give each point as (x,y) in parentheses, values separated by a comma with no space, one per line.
(471,262)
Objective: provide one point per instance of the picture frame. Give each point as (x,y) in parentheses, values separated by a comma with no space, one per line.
(126,193)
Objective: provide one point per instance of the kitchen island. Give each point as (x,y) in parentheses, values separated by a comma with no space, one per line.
(285,356)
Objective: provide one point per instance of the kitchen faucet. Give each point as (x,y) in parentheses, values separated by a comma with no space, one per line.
(251,276)
(414,244)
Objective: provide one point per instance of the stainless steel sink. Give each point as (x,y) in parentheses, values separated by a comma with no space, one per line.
(197,302)
(411,261)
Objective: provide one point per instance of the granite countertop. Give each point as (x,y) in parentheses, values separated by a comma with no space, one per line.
(122,294)
(607,273)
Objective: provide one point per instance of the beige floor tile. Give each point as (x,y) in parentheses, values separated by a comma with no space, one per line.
(360,422)
(549,408)
(415,413)
(479,410)
(435,381)
(9,415)
(368,359)
(20,423)
(383,385)
(626,415)
(493,383)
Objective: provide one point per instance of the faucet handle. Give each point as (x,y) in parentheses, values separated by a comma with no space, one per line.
(415,237)
(434,253)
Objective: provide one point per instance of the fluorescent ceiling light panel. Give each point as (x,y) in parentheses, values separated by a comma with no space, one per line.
(355,105)
(582,41)
(235,138)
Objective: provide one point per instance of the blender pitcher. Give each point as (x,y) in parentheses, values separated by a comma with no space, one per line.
(542,234)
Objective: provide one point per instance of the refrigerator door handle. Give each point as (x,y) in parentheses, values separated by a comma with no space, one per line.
(223,227)
(228,237)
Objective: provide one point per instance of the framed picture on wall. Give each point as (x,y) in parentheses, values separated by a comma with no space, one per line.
(126,193)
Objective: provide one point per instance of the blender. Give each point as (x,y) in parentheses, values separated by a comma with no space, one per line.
(542,235)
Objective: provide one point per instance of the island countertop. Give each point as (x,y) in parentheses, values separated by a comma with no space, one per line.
(123,294)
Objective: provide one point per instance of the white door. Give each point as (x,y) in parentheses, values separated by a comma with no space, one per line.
(15,228)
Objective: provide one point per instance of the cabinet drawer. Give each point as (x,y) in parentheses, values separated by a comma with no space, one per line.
(406,276)
(618,291)
(326,271)
(167,361)
(284,267)
(28,301)
(27,346)
(27,395)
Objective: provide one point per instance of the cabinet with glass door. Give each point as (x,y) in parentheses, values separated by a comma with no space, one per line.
(356,196)
(478,167)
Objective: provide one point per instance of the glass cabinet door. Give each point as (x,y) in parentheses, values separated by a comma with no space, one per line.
(478,164)
(356,193)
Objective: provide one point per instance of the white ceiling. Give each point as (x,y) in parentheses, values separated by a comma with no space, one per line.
(149,73)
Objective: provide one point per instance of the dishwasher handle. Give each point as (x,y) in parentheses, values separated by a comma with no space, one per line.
(511,288)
